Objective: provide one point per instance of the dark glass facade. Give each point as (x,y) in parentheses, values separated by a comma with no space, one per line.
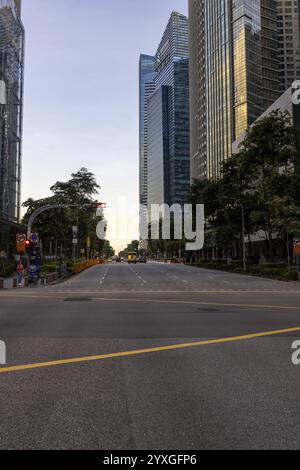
(11,112)
(169,117)
(197,89)
(146,88)
(218,76)
(289,42)
(159,150)
(235,74)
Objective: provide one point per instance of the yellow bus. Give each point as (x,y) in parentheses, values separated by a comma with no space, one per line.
(132,257)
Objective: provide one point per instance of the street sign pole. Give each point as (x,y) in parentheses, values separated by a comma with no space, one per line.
(244,243)
(74,242)
(297,253)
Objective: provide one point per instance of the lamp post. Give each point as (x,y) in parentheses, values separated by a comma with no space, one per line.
(243,237)
(243,232)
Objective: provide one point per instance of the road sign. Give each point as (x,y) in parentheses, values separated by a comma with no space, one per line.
(75,235)
(21,242)
(297,246)
(34,238)
(21,247)
(21,237)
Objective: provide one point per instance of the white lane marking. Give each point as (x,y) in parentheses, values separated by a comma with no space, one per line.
(104,277)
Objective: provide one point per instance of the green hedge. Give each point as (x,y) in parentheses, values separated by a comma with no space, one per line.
(290,275)
(271,271)
(7,267)
(276,270)
(216,262)
(54,268)
(70,267)
(50,268)
(281,266)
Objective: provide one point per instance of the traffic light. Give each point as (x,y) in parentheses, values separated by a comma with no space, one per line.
(27,244)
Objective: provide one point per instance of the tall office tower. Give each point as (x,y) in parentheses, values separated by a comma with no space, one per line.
(147,87)
(158,191)
(168,133)
(289,42)
(11,109)
(234,71)
(269,50)
(197,89)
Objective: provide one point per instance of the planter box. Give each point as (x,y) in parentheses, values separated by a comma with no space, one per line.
(6,283)
(48,278)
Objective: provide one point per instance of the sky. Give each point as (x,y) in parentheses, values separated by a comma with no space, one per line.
(81,97)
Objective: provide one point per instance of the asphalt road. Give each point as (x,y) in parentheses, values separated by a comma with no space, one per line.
(151,357)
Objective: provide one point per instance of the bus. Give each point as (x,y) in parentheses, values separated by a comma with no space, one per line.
(132,257)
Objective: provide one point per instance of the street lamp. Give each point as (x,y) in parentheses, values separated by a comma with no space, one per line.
(243,230)
(243,238)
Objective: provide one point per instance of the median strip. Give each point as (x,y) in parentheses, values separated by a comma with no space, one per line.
(139,352)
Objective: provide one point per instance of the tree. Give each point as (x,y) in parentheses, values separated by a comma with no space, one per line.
(57,224)
(81,188)
(133,246)
(262,179)
(106,249)
(268,156)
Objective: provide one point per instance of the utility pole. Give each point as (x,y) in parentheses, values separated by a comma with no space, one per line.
(288,251)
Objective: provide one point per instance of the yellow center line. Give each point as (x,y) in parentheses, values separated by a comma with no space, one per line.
(49,295)
(191,302)
(140,352)
(167,301)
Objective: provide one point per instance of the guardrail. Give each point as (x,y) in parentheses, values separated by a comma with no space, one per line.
(79,267)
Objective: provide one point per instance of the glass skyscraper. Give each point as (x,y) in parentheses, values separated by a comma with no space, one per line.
(197,89)
(147,87)
(159,151)
(289,42)
(234,72)
(11,116)
(168,115)
(11,112)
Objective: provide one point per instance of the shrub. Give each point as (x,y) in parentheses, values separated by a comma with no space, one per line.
(281,266)
(70,267)
(290,275)
(7,267)
(276,270)
(271,271)
(237,264)
(217,262)
(50,268)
